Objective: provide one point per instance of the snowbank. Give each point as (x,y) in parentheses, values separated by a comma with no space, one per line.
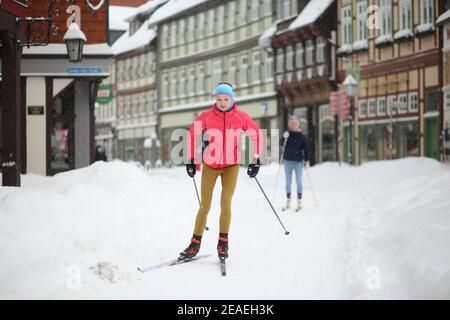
(380,231)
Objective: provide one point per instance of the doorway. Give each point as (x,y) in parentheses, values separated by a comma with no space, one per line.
(61,130)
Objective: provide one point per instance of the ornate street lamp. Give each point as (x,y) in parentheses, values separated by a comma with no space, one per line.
(350,85)
(39,30)
(74,39)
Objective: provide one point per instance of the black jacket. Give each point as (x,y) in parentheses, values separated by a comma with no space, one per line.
(297,148)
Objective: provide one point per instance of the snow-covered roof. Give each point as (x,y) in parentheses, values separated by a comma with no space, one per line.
(310,13)
(139,39)
(146,8)
(172,8)
(61,49)
(443,17)
(118,16)
(266,38)
(74,33)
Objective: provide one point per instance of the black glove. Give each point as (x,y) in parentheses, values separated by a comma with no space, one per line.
(253,169)
(190,168)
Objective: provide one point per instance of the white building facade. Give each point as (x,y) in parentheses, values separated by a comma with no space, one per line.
(127,125)
(207,43)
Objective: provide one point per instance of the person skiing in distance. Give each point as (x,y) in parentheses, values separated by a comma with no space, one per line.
(296,156)
(224,118)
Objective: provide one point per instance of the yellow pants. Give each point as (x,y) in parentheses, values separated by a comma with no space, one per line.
(229,177)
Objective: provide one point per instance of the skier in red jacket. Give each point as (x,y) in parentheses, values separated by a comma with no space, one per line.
(224,124)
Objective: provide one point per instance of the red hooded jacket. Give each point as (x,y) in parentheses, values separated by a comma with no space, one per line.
(224,130)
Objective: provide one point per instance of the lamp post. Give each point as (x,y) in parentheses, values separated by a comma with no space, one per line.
(350,86)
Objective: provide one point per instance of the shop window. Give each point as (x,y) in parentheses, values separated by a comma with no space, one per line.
(431,101)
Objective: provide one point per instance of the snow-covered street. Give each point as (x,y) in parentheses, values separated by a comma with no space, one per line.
(380,231)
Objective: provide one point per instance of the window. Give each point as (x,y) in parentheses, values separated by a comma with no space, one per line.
(190,29)
(165,87)
(320,47)
(211,22)
(294,7)
(413,102)
(426,11)
(403,100)
(243,12)
(173,85)
(280,60)
(362,108)
(191,82)
(256,67)
(284,8)
(267,7)
(269,67)
(361,8)
(131,106)
(243,81)
(289,58)
(152,61)
(133,68)
(299,55)
(386,17)
(181,34)
(220,19)
(279,10)
(216,73)
(143,104)
(231,15)
(201,24)
(309,52)
(182,84)
(391,101)
(446,101)
(346,21)
(149,103)
(173,36)
(381,106)
(201,79)
(255,10)
(431,101)
(232,71)
(372,107)
(405,15)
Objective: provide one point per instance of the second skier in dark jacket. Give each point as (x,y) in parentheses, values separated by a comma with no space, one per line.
(296,155)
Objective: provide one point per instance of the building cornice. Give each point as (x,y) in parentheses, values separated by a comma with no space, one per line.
(201,56)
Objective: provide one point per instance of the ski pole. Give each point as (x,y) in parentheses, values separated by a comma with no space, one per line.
(312,189)
(198,197)
(285,231)
(285,136)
